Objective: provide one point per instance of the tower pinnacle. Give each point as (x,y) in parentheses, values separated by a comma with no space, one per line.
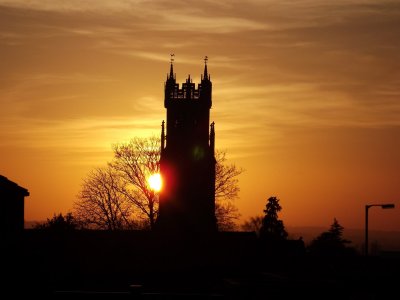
(171,72)
(205,67)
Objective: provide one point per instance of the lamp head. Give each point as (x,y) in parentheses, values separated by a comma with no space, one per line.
(386,206)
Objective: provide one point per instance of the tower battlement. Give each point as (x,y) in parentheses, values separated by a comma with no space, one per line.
(188,91)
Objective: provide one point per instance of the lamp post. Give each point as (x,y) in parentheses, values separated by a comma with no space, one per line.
(383,206)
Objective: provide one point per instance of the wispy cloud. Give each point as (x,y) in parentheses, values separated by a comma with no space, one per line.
(73,5)
(322,50)
(77,133)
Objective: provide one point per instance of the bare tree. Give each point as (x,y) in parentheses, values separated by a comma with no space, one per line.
(101,204)
(226,181)
(227,215)
(124,183)
(226,191)
(135,162)
(59,223)
(253,224)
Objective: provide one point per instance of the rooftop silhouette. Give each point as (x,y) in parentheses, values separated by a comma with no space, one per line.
(12,201)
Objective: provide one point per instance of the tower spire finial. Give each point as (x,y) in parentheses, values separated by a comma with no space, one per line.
(171,72)
(205,67)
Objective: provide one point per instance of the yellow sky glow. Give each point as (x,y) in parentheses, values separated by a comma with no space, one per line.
(305,97)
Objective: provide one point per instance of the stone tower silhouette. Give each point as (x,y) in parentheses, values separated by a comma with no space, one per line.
(187,200)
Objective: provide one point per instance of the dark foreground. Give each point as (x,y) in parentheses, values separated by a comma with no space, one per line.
(134,265)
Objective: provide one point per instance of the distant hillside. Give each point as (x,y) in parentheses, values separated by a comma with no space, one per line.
(381,240)
(31,224)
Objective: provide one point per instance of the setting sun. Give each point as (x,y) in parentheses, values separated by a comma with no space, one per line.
(155,182)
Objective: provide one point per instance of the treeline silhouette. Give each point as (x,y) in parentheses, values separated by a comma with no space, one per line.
(268,229)
(66,259)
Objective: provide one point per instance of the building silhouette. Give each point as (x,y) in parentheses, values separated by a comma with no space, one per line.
(12,198)
(187,164)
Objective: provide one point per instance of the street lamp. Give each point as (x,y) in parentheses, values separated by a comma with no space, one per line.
(383,206)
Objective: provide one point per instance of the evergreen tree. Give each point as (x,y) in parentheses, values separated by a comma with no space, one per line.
(272,228)
(331,242)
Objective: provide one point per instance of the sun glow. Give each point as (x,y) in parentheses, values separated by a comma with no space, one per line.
(155,182)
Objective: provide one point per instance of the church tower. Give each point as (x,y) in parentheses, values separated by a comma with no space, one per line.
(187,200)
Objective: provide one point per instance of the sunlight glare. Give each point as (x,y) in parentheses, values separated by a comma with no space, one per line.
(155,182)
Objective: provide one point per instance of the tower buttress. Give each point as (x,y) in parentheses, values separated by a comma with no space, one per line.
(162,137)
(212,138)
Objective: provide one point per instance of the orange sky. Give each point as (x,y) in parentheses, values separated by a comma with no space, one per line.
(306,97)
